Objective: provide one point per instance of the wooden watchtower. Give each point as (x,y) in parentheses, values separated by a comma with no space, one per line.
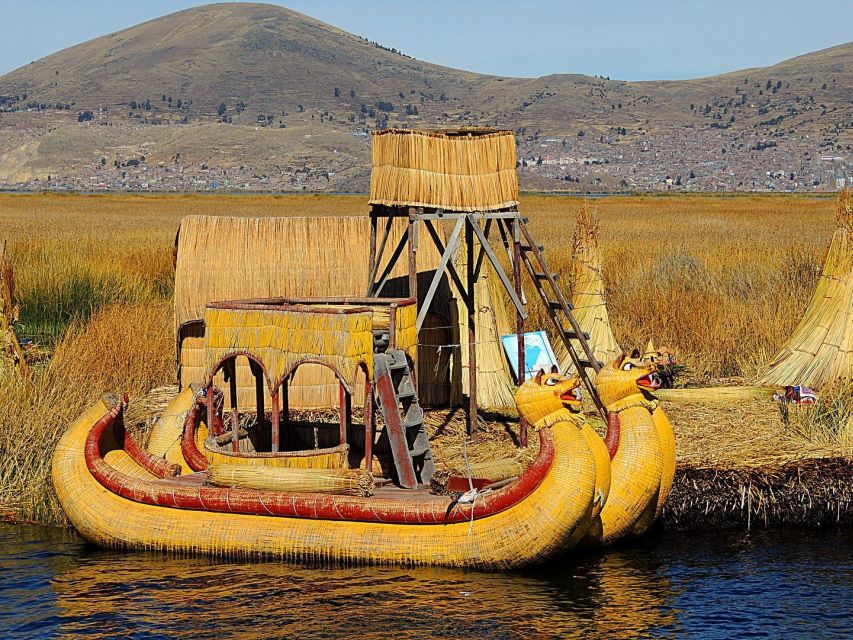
(460,186)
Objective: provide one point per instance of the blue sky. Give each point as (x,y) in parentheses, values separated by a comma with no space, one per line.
(630,40)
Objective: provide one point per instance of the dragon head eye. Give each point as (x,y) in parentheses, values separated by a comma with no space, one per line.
(627,366)
(551,382)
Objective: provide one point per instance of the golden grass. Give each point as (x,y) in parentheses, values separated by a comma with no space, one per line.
(127,348)
(723,280)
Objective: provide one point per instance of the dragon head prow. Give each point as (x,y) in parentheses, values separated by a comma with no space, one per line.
(626,377)
(548,398)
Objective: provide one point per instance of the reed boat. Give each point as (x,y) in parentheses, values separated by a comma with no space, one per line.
(119,494)
(226,471)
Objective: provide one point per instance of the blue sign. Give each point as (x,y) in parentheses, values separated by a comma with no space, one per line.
(538,353)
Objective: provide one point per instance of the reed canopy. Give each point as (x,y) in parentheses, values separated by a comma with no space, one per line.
(820,350)
(235,258)
(459,170)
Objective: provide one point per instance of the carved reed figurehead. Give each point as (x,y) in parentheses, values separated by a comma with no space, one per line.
(549,398)
(626,377)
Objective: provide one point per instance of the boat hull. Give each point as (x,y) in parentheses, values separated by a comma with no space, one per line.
(542,524)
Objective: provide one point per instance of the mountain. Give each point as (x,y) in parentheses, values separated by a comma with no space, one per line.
(261,97)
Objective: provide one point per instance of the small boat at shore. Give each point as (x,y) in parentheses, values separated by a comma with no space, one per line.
(118,494)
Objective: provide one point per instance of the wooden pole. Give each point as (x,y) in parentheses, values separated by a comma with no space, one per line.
(472,328)
(368,426)
(345,410)
(372,260)
(275,427)
(519,319)
(285,407)
(235,419)
(259,403)
(413,254)
(210,409)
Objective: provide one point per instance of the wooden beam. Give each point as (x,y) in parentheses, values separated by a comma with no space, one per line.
(391,262)
(368,426)
(413,254)
(374,267)
(498,267)
(345,411)
(482,249)
(472,330)
(460,288)
(447,253)
(519,318)
(275,426)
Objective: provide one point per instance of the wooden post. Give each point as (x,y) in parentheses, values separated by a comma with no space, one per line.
(346,411)
(519,319)
(472,328)
(259,403)
(368,426)
(235,419)
(275,427)
(413,254)
(372,259)
(210,409)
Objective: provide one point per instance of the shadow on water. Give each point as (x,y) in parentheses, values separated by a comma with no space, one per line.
(793,584)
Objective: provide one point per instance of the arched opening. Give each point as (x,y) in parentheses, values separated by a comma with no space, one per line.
(246,432)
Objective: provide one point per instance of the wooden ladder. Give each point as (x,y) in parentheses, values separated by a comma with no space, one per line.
(559,309)
(404,419)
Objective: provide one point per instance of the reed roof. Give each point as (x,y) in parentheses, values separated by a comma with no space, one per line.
(458,170)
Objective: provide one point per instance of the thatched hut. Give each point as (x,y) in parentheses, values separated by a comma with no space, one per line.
(820,350)
(588,291)
(228,258)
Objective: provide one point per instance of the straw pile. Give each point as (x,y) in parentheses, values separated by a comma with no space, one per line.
(820,350)
(467,170)
(349,482)
(11,358)
(588,292)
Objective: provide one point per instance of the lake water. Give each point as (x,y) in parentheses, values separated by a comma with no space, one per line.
(788,584)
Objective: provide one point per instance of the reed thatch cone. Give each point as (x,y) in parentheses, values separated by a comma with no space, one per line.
(588,292)
(820,350)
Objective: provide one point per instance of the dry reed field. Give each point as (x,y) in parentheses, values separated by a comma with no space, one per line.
(722,280)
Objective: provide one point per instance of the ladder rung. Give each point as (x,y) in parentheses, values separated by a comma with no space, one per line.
(554,304)
(571,335)
(585,364)
(414,417)
(544,276)
(527,247)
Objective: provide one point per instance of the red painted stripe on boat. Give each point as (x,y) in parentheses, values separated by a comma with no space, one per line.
(311,506)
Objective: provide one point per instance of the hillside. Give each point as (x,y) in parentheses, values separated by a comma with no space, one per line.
(261,97)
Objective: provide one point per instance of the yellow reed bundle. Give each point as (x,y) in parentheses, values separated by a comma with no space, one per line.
(468,170)
(350,482)
(820,350)
(588,292)
(494,470)
(329,458)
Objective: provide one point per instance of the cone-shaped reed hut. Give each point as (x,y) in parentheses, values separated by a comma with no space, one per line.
(820,350)
(588,291)
(229,258)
